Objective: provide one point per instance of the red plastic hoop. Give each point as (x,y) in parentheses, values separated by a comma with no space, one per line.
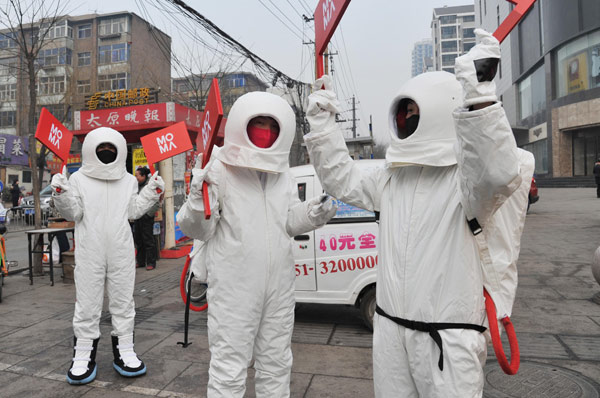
(182,287)
(512,367)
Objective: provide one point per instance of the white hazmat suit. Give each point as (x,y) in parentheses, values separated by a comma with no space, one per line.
(100,198)
(255,213)
(455,166)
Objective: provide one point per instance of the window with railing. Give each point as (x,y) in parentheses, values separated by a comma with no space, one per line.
(58,30)
(51,85)
(7,40)
(237,80)
(468,18)
(113,81)
(448,32)
(54,56)
(449,46)
(8,92)
(448,59)
(112,26)
(8,66)
(113,53)
(468,33)
(447,19)
(468,46)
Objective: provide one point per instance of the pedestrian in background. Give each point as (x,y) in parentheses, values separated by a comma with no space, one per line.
(15,193)
(597,177)
(145,243)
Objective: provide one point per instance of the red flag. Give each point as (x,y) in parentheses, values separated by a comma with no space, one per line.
(54,135)
(521,8)
(166,143)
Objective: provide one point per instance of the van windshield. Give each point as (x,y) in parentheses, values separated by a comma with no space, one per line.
(346,211)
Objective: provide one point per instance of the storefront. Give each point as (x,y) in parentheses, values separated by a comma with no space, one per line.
(586,150)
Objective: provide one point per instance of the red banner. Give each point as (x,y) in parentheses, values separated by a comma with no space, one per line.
(521,8)
(166,143)
(327,17)
(211,120)
(54,135)
(142,116)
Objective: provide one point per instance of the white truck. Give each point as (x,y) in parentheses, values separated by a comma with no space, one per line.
(337,264)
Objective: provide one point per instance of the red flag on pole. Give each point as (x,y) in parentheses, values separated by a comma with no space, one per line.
(211,121)
(521,8)
(327,17)
(166,143)
(56,137)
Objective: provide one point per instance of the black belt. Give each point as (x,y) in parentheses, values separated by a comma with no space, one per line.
(432,328)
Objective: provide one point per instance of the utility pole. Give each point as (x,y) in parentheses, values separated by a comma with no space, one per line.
(353,116)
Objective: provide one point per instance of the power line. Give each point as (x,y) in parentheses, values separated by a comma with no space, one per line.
(279,19)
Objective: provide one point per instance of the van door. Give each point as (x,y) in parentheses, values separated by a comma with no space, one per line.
(304,245)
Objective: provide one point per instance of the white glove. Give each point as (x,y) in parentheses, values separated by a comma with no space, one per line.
(155,182)
(475,91)
(199,175)
(60,183)
(321,209)
(322,106)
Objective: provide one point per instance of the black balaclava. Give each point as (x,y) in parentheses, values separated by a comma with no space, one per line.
(106,156)
(405,126)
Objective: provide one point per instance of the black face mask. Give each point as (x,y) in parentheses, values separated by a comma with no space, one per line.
(106,156)
(411,124)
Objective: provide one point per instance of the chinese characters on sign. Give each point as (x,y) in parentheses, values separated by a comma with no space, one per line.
(347,241)
(117,118)
(13,150)
(119,98)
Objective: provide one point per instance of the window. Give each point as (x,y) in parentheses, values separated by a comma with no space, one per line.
(113,53)
(447,19)
(8,66)
(497,16)
(449,46)
(84,31)
(484,7)
(83,87)
(302,191)
(84,59)
(451,70)
(112,26)
(532,93)
(8,118)
(51,85)
(448,59)
(8,92)
(468,33)
(448,32)
(60,29)
(348,213)
(113,81)
(26,177)
(468,18)
(55,56)
(578,65)
(7,40)
(237,80)
(467,47)
(540,152)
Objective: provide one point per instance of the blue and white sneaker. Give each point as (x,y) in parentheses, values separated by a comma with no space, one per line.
(126,362)
(83,367)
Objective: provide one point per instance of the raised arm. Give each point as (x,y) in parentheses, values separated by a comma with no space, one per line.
(66,197)
(338,173)
(191,215)
(141,203)
(487,155)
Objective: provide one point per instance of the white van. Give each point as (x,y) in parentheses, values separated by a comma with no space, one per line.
(337,264)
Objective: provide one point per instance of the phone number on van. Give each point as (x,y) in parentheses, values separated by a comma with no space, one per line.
(341,265)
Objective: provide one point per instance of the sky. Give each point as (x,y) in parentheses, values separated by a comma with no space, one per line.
(374,41)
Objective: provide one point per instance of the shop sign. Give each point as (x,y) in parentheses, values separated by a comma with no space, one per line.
(120,98)
(14,150)
(538,132)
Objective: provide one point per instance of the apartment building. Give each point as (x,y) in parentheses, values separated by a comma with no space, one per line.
(452,31)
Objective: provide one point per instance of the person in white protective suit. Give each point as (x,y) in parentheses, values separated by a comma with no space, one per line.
(100,197)
(255,213)
(446,174)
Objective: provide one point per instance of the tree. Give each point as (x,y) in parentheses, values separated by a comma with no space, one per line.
(29,26)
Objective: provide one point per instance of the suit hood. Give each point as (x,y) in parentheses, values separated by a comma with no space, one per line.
(91,166)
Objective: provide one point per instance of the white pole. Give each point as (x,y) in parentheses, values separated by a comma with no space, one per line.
(165,169)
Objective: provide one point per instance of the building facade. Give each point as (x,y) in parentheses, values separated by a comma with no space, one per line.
(98,57)
(555,72)
(452,31)
(422,54)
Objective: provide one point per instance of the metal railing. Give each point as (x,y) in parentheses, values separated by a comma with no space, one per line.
(22,217)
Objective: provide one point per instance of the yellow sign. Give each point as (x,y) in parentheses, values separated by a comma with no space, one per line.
(138,159)
(577,73)
(117,98)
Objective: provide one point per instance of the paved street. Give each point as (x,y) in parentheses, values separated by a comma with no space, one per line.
(556,315)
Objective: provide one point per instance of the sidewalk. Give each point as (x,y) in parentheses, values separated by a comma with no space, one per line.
(556,315)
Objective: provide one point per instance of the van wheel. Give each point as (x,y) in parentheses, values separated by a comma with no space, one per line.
(367,308)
